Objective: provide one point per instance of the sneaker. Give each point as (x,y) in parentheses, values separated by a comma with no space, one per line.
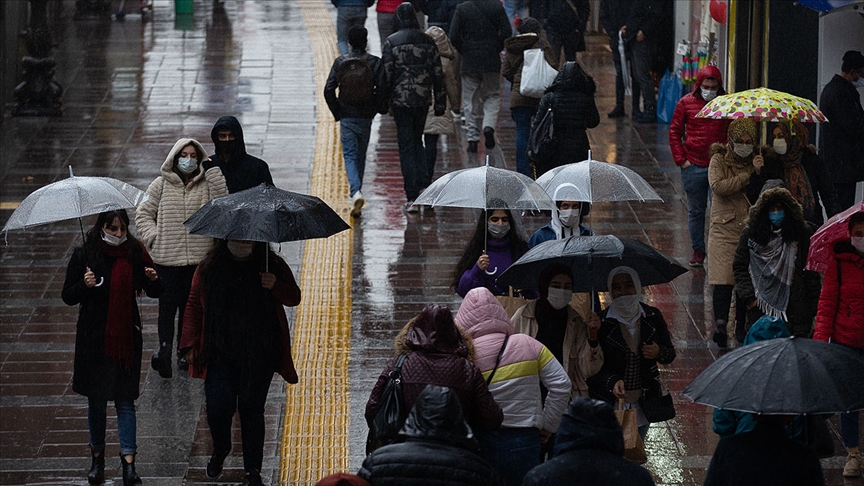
(852,469)
(618,112)
(472,147)
(214,465)
(409,207)
(357,203)
(697,259)
(489,137)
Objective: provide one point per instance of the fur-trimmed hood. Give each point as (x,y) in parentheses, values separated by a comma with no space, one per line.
(794,225)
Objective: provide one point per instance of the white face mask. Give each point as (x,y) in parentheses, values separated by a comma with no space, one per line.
(859,83)
(627,306)
(858,243)
(780,146)
(113,240)
(708,94)
(240,249)
(559,298)
(742,150)
(568,217)
(498,230)
(187,165)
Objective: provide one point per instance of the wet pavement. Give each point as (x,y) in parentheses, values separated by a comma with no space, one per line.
(133,88)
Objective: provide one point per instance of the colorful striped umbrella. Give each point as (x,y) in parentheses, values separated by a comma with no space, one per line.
(762,104)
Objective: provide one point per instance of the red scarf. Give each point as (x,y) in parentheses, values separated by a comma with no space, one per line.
(119,337)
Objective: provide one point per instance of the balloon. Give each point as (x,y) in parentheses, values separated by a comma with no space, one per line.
(718,11)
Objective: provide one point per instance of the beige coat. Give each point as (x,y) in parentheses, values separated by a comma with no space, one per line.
(581,361)
(160,219)
(728,179)
(514,59)
(444,125)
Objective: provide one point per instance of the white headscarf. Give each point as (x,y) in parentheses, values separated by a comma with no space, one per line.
(560,230)
(626,308)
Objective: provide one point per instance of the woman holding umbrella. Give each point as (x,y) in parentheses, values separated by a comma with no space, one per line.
(235,336)
(103,277)
(840,319)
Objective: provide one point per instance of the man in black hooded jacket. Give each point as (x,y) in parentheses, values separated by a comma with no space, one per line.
(240,169)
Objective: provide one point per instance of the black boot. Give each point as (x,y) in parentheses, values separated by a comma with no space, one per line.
(96,474)
(161,362)
(720,335)
(130,477)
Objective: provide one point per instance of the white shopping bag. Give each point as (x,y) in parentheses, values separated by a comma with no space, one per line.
(625,74)
(537,74)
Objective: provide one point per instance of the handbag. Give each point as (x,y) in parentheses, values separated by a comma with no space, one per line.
(541,142)
(511,303)
(537,74)
(390,415)
(657,408)
(634,448)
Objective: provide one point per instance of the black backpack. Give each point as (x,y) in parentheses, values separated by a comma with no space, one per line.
(355,81)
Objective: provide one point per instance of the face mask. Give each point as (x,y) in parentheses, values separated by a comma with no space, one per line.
(187,165)
(568,217)
(776,218)
(780,146)
(708,94)
(627,306)
(113,240)
(858,243)
(240,249)
(559,298)
(742,150)
(498,230)
(859,83)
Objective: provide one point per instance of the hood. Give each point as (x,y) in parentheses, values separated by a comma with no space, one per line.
(589,424)
(708,72)
(573,77)
(445,49)
(521,42)
(757,219)
(232,124)
(437,415)
(434,331)
(766,328)
(481,314)
(168,165)
(843,250)
(406,17)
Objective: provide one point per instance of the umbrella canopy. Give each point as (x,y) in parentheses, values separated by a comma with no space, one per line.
(591,258)
(821,252)
(74,197)
(593,181)
(783,376)
(486,188)
(762,104)
(265,213)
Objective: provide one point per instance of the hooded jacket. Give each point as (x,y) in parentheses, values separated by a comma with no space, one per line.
(525,364)
(412,64)
(589,450)
(514,60)
(438,448)
(478,31)
(690,138)
(806,284)
(242,171)
(160,218)
(840,315)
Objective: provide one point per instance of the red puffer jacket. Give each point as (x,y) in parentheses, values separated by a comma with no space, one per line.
(840,317)
(690,138)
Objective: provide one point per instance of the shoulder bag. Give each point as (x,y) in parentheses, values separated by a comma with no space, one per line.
(390,415)
(537,74)
(541,142)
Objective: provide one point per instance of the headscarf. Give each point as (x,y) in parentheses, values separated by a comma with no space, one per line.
(740,127)
(626,309)
(795,177)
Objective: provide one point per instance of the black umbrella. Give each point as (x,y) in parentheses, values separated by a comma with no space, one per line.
(265,213)
(591,258)
(783,376)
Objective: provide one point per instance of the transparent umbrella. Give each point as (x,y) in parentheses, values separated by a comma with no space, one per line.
(593,180)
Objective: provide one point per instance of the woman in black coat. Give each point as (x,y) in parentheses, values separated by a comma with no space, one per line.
(571,98)
(103,277)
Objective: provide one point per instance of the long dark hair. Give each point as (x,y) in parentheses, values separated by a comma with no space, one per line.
(220,254)
(93,240)
(475,247)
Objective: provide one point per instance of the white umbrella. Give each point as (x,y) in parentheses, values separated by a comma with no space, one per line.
(592,181)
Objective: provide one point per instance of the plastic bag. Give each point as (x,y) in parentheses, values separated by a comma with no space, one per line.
(668,96)
(625,73)
(537,74)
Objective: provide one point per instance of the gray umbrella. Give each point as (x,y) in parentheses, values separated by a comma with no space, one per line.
(783,376)
(592,181)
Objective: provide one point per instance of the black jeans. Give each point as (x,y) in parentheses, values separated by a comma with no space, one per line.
(430,140)
(222,389)
(722,302)
(410,122)
(176,282)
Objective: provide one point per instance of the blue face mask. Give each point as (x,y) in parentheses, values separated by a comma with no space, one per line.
(776,218)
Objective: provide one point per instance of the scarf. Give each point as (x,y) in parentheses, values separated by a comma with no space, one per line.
(626,309)
(772,268)
(119,341)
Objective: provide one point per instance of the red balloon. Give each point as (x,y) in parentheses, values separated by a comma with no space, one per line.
(718,11)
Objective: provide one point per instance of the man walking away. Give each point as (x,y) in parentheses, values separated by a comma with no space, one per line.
(643,29)
(613,16)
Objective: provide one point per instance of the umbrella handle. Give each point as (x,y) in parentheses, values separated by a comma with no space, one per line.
(101,281)
(493,272)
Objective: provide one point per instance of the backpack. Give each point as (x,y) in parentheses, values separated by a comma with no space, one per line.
(355,81)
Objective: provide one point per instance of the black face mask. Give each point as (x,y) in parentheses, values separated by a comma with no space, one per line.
(227,147)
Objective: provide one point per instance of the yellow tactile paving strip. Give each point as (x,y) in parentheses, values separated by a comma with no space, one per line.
(315,435)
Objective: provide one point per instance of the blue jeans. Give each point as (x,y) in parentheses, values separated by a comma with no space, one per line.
(410,122)
(522,116)
(849,429)
(355,141)
(512,452)
(97,416)
(695,182)
(345,18)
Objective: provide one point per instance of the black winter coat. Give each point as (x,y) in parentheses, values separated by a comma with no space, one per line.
(613,15)
(243,170)
(588,451)
(842,142)
(377,104)
(478,31)
(440,12)
(94,375)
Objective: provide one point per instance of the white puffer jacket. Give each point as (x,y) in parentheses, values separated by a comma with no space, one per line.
(160,219)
